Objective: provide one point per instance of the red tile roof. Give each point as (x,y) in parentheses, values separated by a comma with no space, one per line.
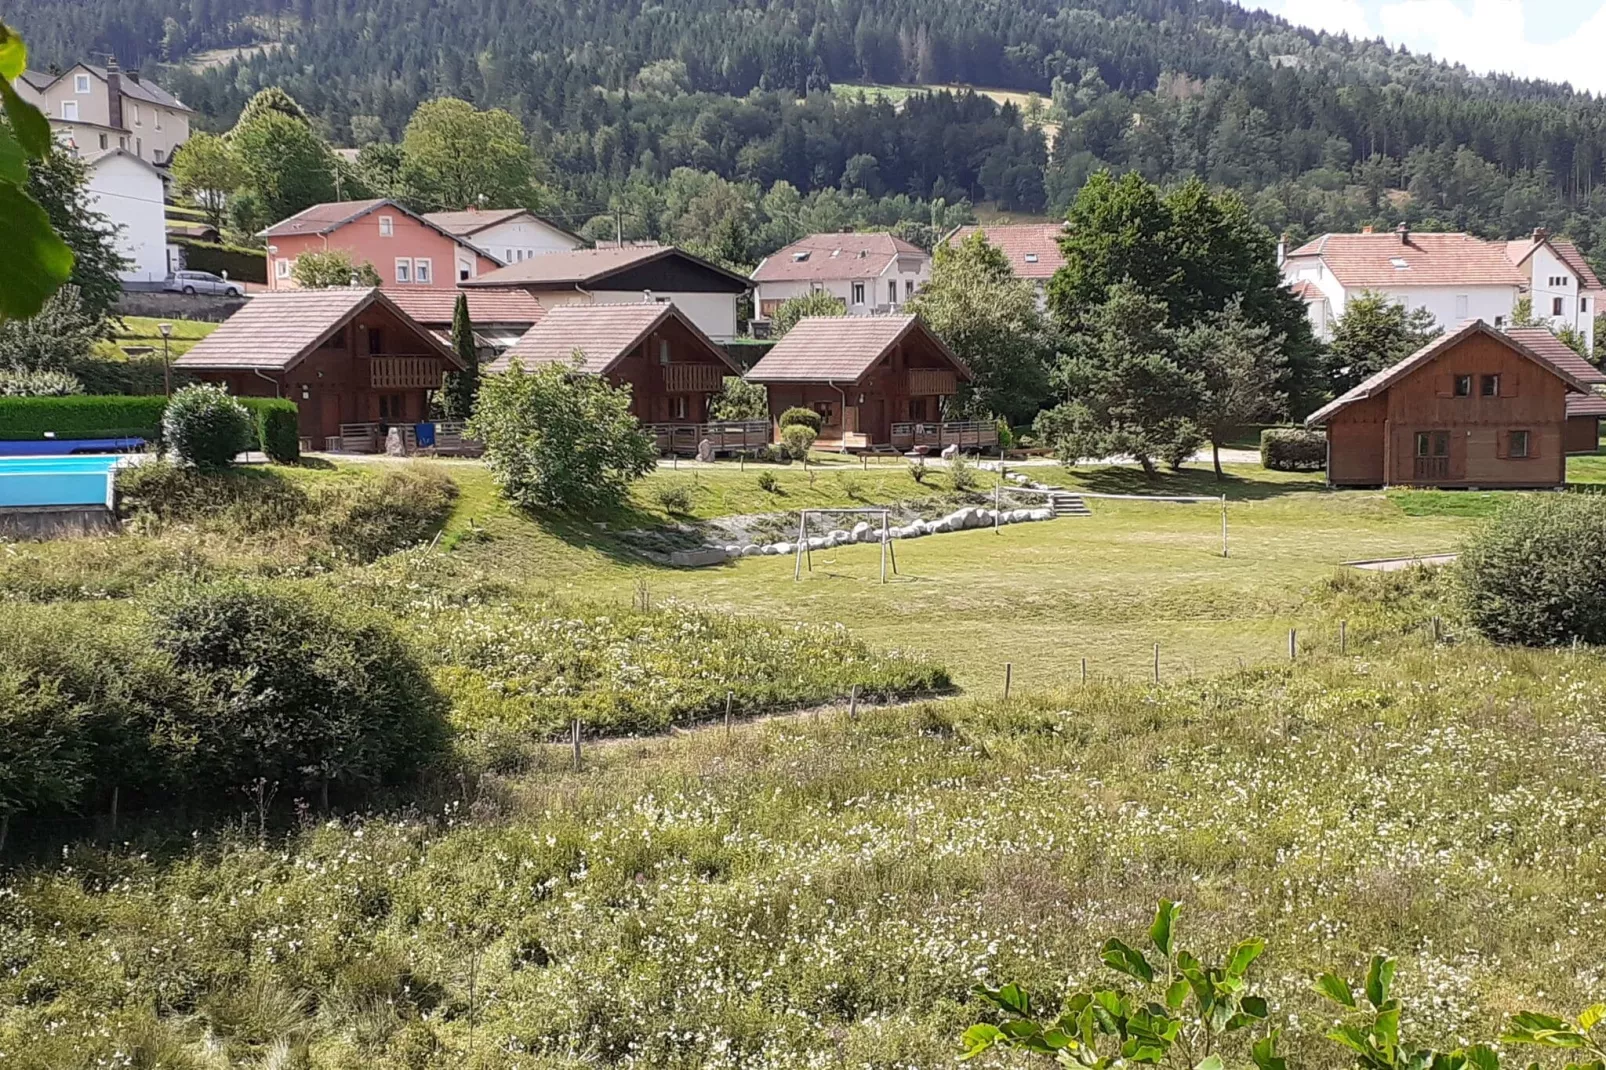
(1379,382)
(1307,291)
(840,349)
(474,220)
(274,330)
(1585,405)
(1033,248)
(322,218)
(821,257)
(601,334)
(1520,250)
(1559,353)
(587,267)
(1384,261)
(485,307)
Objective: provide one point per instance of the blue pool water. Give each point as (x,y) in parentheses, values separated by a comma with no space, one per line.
(31,482)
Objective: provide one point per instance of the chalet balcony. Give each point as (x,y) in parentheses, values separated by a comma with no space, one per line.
(726,436)
(405,373)
(966,434)
(689,378)
(932,382)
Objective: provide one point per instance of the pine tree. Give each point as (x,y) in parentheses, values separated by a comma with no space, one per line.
(462,387)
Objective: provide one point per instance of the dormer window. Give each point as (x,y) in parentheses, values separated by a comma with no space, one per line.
(1399,263)
(80,84)
(1031,258)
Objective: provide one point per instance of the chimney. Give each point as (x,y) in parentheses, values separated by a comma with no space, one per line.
(114,95)
(1367,229)
(1404,231)
(1541,234)
(133,75)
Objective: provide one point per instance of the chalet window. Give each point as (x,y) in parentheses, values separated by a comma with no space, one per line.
(1460,306)
(387,226)
(663,351)
(390,407)
(1433,443)
(827,411)
(892,291)
(69,110)
(858,293)
(376,340)
(908,288)
(1031,258)
(677,407)
(80,83)
(1555,306)
(1463,386)
(422,271)
(464,271)
(281,267)
(404,269)
(1518,445)
(1489,386)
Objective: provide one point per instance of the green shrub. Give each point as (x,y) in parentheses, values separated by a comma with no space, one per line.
(768,483)
(18,383)
(140,376)
(278,428)
(675,498)
(1536,574)
(1293,449)
(370,517)
(739,399)
(206,426)
(801,417)
(796,441)
(80,416)
(962,473)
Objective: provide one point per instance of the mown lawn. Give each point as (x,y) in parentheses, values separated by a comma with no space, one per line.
(143,331)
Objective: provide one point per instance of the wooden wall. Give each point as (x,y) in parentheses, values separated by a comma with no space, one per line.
(651,401)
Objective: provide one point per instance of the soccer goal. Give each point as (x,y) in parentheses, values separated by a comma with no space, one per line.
(880,531)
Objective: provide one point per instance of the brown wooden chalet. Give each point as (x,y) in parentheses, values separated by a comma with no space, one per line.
(352,361)
(1584,411)
(1474,408)
(876,381)
(672,368)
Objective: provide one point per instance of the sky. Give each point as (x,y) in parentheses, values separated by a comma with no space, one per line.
(1559,40)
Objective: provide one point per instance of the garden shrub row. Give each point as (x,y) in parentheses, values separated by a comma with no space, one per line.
(1293,449)
(204,690)
(242,264)
(124,416)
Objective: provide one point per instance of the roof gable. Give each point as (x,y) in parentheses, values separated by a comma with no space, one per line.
(829,257)
(842,349)
(1033,249)
(330,216)
(603,335)
(1380,382)
(1559,353)
(595,268)
(474,220)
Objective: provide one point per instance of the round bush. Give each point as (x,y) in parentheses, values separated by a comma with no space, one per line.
(207,427)
(1293,449)
(796,441)
(1536,574)
(801,417)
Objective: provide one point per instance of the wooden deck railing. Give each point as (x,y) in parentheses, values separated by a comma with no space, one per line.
(726,436)
(932,382)
(405,373)
(966,434)
(366,438)
(691,378)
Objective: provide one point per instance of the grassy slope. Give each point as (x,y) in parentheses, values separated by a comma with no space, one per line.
(142,331)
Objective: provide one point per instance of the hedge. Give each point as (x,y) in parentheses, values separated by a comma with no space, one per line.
(1293,449)
(242,264)
(124,416)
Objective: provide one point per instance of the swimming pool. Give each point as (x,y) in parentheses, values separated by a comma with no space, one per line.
(35,482)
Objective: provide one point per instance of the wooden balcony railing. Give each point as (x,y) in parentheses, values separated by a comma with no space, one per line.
(727,436)
(405,373)
(693,378)
(929,382)
(966,434)
(1432,468)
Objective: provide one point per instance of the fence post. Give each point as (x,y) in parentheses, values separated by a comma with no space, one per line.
(1084,672)
(1009,673)
(576,733)
(1343,637)
(1293,644)
(996,529)
(853,703)
(1223,525)
(1436,633)
(728,697)
(1156,662)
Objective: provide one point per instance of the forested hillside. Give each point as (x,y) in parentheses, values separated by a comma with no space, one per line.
(1319,132)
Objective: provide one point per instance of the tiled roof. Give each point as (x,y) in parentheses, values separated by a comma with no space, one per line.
(1385,261)
(601,334)
(485,307)
(839,349)
(140,90)
(91,159)
(1379,382)
(1307,291)
(1559,353)
(821,257)
(322,218)
(274,330)
(583,267)
(477,219)
(1585,405)
(1520,250)
(1033,248)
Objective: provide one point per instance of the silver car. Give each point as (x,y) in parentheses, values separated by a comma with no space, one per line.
(202,282)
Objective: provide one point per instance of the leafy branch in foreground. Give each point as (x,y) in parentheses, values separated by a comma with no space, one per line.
(37,261)
(1586,1035)
(1176,1014)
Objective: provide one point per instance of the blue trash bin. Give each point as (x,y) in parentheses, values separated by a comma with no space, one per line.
(424,435)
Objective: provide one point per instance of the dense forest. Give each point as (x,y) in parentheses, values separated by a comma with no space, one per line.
(1319,132)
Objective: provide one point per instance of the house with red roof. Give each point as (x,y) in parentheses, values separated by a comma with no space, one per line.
(1033,249)
(1456,277)
(406,249)
(509,234)
(868,273)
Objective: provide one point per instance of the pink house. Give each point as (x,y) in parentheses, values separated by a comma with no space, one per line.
(405,248)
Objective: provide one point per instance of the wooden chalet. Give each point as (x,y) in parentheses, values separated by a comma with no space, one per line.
(1584,411)
(352,361)
(672,368)
(1474,408)
(878,382)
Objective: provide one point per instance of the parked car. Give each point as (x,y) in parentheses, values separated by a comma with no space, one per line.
(202,282)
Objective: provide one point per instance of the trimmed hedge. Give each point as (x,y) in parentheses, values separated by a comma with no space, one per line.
(81,416)
(801,417)
(242,264)
(1293,449)
(278,427)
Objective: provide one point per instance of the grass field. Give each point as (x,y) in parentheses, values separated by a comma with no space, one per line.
(142,331)
(898,93)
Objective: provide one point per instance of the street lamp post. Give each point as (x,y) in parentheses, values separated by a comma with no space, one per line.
(167,370)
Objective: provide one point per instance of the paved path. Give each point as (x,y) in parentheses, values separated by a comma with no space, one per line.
(1399,564)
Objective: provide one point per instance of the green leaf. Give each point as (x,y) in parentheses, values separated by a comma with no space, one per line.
(1010,997)
(1177,994)
(1244,954)
(1163,929)
(1127,960)
(13,161)
(1254,1006)
(978,1038)
(1336,989)
(1210,1062)
(1264,1053)
(1482,1057)
(1378,979)
(35,263)
(13,53)
(30,127)
(1387,1028)
(1590,1017)
(1351,1038)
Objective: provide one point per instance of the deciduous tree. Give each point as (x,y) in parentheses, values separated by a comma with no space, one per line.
(36,259)
(1374,333)
(330,268)
(455,157)
(1240,366)
(204,167)
(816,303)
(283,162)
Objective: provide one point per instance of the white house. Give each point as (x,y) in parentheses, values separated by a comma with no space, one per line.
(97,109)
(869,273)
(128,191)
(1033,250)
(509,234)
(1456,277)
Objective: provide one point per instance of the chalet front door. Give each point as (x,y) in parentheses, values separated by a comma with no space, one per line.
(329,413)
(1432,456)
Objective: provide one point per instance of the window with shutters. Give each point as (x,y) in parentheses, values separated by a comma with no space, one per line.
(1518,444)
(1463,386)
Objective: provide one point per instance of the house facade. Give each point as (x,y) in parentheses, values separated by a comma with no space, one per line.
(406,249)
(510,234)
(129,192)
(352,361)
(1456,277)
(1033,250)
(99,109)
(705,293)
(1474,408)
(868,273)
(876,381)
(1584,411)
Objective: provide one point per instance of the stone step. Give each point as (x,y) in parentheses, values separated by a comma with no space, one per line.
(1065,504)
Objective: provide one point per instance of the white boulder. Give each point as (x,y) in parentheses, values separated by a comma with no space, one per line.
(1042,514)
(752,550)
(861,531)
